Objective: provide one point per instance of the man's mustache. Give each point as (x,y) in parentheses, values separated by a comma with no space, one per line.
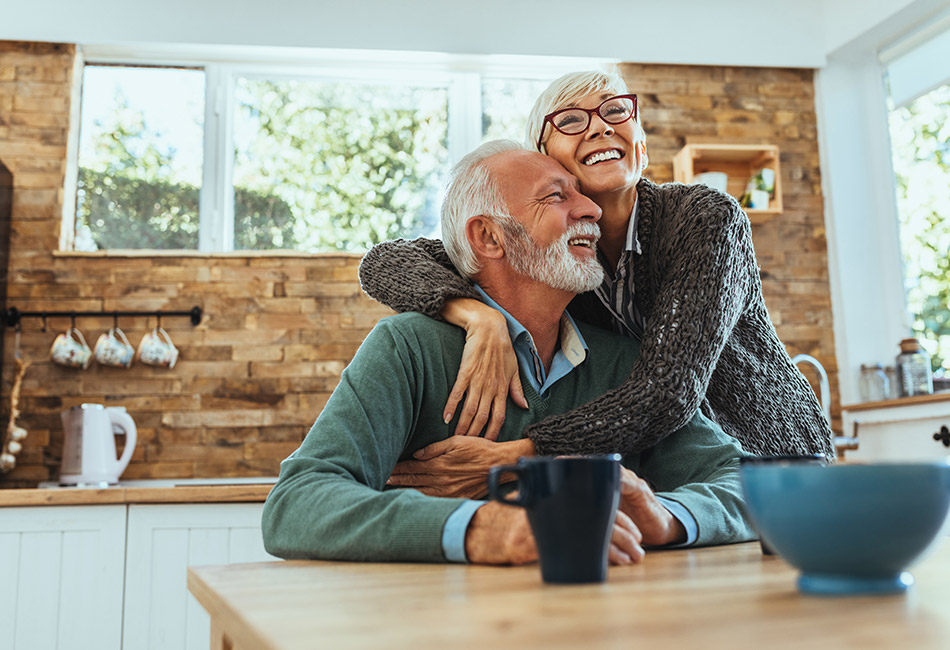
(584,228)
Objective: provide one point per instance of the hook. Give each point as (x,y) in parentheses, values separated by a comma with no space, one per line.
(158,318)
(72,320)
(115,320)
(43,329)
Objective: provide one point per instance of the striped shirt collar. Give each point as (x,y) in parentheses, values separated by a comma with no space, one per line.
(633,240)
(617,292)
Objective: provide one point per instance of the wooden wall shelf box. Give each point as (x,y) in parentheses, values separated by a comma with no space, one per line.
(739,162)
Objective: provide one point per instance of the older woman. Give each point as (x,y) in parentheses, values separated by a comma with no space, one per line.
(681,276)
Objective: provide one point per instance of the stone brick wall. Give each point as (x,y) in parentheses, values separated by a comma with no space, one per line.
(276,333)
(279,329)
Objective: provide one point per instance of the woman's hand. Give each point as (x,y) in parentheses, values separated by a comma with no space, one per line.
(458,466)
(489,369)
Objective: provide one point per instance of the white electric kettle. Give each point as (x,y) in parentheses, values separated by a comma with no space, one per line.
(89,455)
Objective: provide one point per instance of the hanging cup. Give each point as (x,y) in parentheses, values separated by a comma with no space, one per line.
(157,349)
(113,349)
(70,349)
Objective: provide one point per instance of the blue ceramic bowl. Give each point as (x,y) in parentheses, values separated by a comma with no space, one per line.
(850,529)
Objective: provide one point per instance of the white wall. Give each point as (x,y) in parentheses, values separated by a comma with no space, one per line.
(727,32)
(846,20)
(861,219)
(712,32)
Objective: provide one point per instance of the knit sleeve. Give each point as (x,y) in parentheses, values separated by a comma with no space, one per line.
(412,275)
(708,274)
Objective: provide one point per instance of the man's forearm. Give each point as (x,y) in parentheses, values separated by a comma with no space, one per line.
(674,530)
(688,529)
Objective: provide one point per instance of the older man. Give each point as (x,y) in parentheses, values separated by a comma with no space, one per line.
(516,223)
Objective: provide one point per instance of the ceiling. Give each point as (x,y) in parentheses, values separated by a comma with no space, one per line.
(720,32)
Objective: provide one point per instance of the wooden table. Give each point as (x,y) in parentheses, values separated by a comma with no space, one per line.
(722,597)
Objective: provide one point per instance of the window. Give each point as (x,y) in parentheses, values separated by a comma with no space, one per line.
(918,79)
(920,133)
(336,165)
(140,158)
(505,106)
(262,155)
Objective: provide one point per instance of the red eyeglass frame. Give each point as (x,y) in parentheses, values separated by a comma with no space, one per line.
(590,112)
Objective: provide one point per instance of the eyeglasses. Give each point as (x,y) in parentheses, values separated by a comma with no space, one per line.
(574,121)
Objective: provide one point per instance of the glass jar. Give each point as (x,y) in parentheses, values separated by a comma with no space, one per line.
(913,369)
(893,382)
(874,385)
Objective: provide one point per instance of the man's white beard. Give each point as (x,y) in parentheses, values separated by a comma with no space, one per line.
(553,265)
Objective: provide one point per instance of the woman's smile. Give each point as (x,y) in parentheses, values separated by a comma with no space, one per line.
(605,155)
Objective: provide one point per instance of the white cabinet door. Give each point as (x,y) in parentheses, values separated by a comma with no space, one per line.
(164,540)
(898,433)
(61,581)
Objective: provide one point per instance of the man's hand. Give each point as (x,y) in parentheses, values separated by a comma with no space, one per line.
(655,523)
(625,541)
(500,534)
(457,466)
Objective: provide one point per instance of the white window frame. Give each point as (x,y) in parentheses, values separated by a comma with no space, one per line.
(461,75)
(859,186)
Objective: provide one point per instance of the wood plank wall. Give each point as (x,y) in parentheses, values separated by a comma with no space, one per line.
(278,330)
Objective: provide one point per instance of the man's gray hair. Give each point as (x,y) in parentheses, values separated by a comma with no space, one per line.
(567,90)
(470,192)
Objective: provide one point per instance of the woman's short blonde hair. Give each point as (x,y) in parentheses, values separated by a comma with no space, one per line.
(567,90)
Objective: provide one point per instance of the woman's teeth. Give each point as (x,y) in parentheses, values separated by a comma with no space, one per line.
(601,156)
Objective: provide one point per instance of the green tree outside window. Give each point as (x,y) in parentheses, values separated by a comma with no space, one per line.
(920,136)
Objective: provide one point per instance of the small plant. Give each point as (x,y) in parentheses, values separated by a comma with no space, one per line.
(759,190)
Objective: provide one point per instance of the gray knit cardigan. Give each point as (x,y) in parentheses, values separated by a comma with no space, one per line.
(708,340)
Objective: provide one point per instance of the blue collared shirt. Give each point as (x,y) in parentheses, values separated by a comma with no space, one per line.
(571,352)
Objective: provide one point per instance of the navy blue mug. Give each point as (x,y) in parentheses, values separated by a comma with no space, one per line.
(571,504)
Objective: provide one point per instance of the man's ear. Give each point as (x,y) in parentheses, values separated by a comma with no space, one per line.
(485,237)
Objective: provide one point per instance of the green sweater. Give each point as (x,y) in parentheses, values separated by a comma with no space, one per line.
(331,501)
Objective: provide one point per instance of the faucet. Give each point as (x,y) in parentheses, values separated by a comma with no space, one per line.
(824,386)
(838,443)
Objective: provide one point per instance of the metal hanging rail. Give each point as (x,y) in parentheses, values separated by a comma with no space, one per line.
(12,316)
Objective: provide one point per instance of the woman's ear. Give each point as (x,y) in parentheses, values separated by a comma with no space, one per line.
(644,158)
(485,237)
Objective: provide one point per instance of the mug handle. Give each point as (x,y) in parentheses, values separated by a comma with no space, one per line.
(500,494)
(161,333)
(116,331)
(75,333)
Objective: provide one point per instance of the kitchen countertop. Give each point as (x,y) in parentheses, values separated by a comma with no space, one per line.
(941,396)
(214,490)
